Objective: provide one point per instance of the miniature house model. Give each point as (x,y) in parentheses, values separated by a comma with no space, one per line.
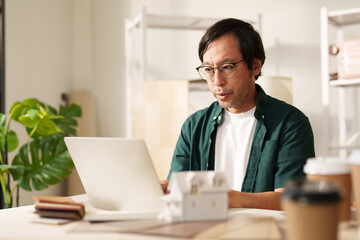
(195,196)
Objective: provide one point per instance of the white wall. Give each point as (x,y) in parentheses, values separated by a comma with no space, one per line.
(38,57)
(38,49)
(98,33)
(56,46)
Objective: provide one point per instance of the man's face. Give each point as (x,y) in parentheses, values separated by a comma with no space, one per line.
(236,94)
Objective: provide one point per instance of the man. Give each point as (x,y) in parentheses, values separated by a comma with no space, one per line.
(258,141)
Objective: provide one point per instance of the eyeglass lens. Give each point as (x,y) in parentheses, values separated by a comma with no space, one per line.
(226,70)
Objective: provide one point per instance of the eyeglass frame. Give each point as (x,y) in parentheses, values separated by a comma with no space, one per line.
(213,69)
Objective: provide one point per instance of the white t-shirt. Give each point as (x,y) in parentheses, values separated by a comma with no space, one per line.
(233,143)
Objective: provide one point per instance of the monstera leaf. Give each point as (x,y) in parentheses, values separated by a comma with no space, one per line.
(46,162)
(44,159)
(15,171)
(67,123)
(12,140)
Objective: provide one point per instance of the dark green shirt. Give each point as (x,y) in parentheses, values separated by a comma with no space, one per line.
(283,141)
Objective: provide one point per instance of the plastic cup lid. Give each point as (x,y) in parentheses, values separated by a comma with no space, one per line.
(326,166)
(354,158)
(306,192)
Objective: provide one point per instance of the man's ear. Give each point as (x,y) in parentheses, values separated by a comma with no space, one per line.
(256,68)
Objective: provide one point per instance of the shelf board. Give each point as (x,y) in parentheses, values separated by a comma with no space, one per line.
(345,82)
(344,17)
(179,22)
(344,147)
(175,22)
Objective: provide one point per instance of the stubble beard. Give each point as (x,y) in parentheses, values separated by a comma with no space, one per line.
(237,99)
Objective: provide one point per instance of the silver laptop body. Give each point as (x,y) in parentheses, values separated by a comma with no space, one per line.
(118,177)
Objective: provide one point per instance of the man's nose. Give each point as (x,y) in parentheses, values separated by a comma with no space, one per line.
(219,80)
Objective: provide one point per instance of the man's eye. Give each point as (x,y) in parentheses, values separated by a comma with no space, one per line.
(227,67)
(207,69)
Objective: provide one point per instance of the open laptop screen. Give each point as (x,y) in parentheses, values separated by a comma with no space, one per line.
(117,173)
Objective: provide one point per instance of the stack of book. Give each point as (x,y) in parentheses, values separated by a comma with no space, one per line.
(59,207)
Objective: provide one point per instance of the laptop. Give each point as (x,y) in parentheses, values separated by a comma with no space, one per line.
(118,177)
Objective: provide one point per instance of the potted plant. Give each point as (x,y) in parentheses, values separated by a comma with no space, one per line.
(43,160)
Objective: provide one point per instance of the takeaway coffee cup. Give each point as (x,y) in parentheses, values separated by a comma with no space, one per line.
(312,209)
(355,175)
(336,171)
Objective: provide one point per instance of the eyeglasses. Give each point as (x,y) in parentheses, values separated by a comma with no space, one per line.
(227,70)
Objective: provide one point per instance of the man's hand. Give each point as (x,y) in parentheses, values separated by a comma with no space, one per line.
(264,200)
(164,184)
(235,199)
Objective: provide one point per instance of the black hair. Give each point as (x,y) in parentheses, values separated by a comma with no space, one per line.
(248,39)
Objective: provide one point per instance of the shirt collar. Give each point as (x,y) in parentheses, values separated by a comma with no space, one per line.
(217,114)
(261,103)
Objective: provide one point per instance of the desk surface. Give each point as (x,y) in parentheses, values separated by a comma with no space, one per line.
(17,223)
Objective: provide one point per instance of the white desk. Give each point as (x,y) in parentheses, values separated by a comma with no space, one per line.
(16,223)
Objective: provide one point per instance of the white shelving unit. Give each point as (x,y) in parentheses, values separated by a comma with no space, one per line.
(145,21)
(338,19)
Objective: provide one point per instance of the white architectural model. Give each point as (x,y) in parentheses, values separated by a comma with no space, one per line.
(196,195)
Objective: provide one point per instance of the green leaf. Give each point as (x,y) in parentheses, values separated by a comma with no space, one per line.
(48,178)
(63,165)
(34,147)
(17,160)
(13,141)
(45,149)
(16,110)
(49,163)
(30,103)
(64,162)
(30,119)
(24,183)
(38,184)
(47,127)
(39,119)
(17,171)
(61,173)
(5,168)
(68,130)
(43,112)
(2,119)
(73,110)
(22,157)
(69,121)
(60,147)
(20,168)
(50,109)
